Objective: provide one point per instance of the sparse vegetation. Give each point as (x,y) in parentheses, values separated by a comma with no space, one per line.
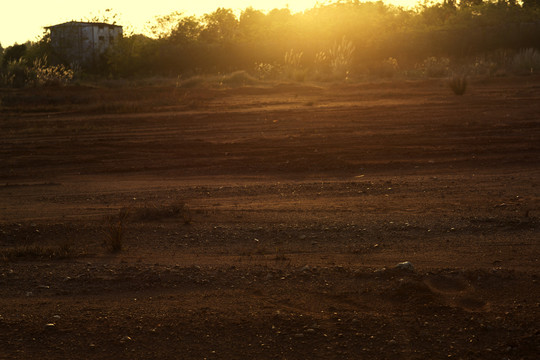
(115,231)
(527,61)
(61,251)
(293,68)
(458,84)
(156,212)
(341,58)
(436,67)
(321,43)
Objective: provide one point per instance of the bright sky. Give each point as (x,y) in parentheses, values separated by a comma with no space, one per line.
(21,21)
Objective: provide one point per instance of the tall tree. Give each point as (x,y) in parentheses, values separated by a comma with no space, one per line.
(220,26)
(13,53)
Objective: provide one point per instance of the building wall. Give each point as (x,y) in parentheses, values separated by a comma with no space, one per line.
(83,42)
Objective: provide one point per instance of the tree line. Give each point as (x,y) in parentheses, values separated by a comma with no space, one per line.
(366,37)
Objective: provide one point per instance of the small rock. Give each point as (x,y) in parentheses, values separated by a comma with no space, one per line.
(302,237)
(406,265)
(56,317)
(299,335)
(310,331)
(50,326)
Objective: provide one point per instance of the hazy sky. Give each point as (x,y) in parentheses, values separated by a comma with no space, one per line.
(21,21)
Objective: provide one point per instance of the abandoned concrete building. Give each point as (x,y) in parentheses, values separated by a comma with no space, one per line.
(83,42)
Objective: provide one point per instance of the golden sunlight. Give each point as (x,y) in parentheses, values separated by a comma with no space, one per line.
(24,21)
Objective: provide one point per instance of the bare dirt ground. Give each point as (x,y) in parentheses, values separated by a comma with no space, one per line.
(266,222)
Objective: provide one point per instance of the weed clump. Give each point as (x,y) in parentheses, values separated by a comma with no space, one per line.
(238,78)
(48,252)
(115,231)
(155,212)
(458,84)
(526,62)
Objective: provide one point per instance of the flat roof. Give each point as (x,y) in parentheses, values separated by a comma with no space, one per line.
(81,23)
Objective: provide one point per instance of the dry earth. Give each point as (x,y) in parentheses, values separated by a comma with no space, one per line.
(266,222)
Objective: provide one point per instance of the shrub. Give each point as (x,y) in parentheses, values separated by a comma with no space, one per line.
(18,74)
(458,84)
(527,61)
(340,57)
(435,67)
(61,251)
(238,78)
(265,71)
(293,65)
(322,65)
(15,74)
(46,75)
(155,212)
(386,69)
(115,231)
(192,82)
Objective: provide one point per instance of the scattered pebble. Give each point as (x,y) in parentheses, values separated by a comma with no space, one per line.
(406,265)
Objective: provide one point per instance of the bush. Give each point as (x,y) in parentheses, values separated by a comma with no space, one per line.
(265,71)
(15,74)
(435,67)
(19,74)
(47,252)
(458,84)
(44,75)
(293,65)
(386,69)
(527,61)
(238,78)
(158,212)
(115,231)
(341,57)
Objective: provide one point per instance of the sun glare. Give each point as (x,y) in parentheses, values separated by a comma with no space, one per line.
(24,21)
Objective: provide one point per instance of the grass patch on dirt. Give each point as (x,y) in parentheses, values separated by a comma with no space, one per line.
(117,226)
(155,212)
(39,252)
(458,84)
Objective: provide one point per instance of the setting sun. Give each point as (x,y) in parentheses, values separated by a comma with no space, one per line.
(24,21)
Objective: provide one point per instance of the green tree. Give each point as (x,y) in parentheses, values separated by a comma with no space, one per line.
(531,4)
(133,55)
(219,26)
(186,31)
(162,26)
(252,24)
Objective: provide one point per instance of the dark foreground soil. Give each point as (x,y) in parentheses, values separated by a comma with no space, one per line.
(267,222)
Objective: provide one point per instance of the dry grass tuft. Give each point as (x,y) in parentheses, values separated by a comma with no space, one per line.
(458,84)
(115,231)
(48,252)
(155,212)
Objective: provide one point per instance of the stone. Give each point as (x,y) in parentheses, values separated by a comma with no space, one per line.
(406,265)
